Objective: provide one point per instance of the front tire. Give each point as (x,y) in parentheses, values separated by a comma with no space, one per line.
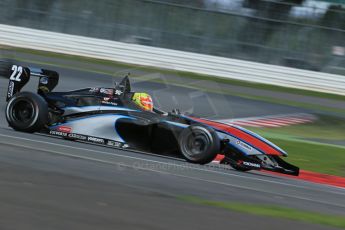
(27,112)
(199,144)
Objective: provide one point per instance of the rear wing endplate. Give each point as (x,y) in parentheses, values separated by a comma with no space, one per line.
(20,76)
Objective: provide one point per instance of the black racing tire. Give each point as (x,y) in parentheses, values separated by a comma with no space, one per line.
(199,144)
(27,112)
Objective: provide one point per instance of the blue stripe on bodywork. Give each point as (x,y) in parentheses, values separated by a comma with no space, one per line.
(92,116)
(177,124)
(100,107)
(261,151)
(102,115)
(261,139)
(117,133)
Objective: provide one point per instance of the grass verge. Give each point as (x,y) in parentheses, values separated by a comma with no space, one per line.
(273,211)
(326,128)
(309,145)
(313,156)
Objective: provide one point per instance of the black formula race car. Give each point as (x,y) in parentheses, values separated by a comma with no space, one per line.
(108,116)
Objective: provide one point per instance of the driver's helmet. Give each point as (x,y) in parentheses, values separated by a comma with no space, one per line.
(144,100)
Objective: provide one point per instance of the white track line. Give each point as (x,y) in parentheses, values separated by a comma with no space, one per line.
(167,173)
(190,166)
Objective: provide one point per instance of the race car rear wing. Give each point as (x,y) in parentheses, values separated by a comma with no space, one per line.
(20,76)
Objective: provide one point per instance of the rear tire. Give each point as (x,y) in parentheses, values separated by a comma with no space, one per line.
(199,144)
(27,112)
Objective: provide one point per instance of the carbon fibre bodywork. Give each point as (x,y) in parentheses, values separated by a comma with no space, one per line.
(108,116)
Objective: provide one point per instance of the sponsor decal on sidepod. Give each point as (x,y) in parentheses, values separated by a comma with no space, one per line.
(64,129)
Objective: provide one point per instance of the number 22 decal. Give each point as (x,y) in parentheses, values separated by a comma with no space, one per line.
(16,73)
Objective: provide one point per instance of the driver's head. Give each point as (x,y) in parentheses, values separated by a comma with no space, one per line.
(143,100)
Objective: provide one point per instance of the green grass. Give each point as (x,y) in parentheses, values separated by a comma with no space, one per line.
(327,128)
(307,144)
(189,75)
(313,156)
(273,211)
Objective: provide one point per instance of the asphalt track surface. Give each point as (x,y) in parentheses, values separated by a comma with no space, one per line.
(49,183)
